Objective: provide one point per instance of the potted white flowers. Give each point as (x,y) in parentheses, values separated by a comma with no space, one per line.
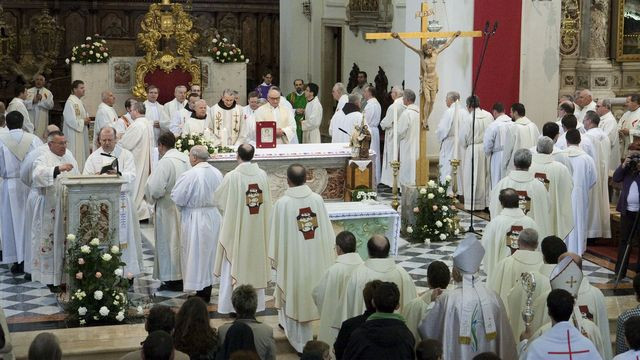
(93,51)
(434,214)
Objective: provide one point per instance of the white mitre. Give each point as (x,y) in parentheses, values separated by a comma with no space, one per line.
(567,275)
(468,255)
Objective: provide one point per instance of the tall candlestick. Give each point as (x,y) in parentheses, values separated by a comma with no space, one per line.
(395,132)
(455,131)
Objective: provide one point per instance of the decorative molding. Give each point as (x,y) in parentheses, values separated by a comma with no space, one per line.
(370,15)
(570,27)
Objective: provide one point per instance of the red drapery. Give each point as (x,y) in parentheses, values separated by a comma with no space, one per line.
(167,83)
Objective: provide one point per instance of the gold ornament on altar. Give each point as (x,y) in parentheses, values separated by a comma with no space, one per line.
(360,140)
(167,37)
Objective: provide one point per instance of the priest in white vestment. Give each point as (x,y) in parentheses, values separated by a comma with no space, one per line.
(556,178)
(167,264)
(516,299)
(178,103)
(48,241)
(228,127)
(500,236)
(628,122)
(124,121)
(534,198)
(339,93)
(586,104)
(523,134)
(200,122)
(345,120)
(599,213)
(39,102)
(106,115)
(155,114)
(14,148)
(301,242)
(609,125)
(379,266)
(372,114)
(137,139)
(469,319)
(244,197)
(329,291)
(495,137)
(200,222)
(129,229)
(275,111)
(409,138)
(472,142)
(312,116)
(585,176)
(394,110)
(181,116)
(552,131)
(448,134)
(17,104)
(253,99)
(75,122)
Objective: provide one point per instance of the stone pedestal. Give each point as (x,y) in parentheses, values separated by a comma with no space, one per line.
(599,76)
(96,78)
(630,78)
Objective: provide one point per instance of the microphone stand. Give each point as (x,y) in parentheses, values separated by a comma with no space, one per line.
(487,36)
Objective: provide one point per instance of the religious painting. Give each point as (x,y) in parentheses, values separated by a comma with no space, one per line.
(628,30)
(511,238)
(524,201)
(122,75)
(265,134)
(103,218)
(253,199)
(542,177)
(307,223)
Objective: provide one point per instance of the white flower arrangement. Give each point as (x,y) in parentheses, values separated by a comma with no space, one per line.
(224,52)
(434,214)
(93,51)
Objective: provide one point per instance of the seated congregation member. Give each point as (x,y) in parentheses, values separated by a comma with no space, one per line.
(193,335)
(429,349)
(632,334)
(45,346)
(239,338)
(621,345)
(316,350)
(158,346)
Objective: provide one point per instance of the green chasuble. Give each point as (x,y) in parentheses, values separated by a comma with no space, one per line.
(298,102)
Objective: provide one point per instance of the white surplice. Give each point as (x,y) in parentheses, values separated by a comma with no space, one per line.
(105,116)
(580,114)
(508,270)
(372,114)
(137,139)
(155,112)
(558,341)
(599,214)
(75,131)
(227,125)
(386,173)
(330,290)
(283,118)
(584,176)
(167,265)
(629,121)
(409,138)
(452,117)
(609,125)
(193,125)
(18,105)
(172,107)
(39,113)
(493,145)
(523,134)
(200,223)
(311,122)
(346,122)
(472,142)
(14,148)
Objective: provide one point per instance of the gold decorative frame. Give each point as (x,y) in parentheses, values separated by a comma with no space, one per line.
(621,55)
(166,21)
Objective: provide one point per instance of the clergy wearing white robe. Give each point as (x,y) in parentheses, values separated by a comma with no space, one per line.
(373,114)
(500,236)
(105,115)
(329,291)
(495,137)
(200,222)
(167,264)
(200,122)
(137,139)
(14,147)
(177,103)
(448,134)
(345,120)
(609,125)
(628,122)
(599,213)
(586,142)
(469,319)
(409,138)
(523,134)
(181,116)
(39,101)
(585,176)
(534,198)
(48,241)
(395,109)
(17,104)
(275,110)
(339,93)
(312,116)
(557,180)
(516,299)
(155,114)
(244,197)
(129,230)
(585,103)
(300,226)
(75,121)
(226,116)
(481,167)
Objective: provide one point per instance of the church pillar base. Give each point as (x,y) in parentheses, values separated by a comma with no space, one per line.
(630,78)
(598,75)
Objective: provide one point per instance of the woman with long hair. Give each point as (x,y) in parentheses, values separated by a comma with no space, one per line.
(193,334)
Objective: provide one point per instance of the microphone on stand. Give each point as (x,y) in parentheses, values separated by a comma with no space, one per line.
(495,28)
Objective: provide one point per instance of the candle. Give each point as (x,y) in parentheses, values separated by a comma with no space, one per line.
(455,131)
(395,132)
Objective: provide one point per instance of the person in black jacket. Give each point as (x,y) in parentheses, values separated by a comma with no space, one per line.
(384,335)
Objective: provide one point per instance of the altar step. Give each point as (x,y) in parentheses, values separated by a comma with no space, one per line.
(113,342)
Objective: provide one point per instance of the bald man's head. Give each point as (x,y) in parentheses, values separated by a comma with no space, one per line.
(245,152)
(50,129)
(576,258)
(296,175)
(378,247)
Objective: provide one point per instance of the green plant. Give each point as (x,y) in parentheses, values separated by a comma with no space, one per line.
(434,213)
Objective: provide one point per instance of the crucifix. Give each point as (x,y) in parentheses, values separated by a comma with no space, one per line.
(428,76)
(571,282)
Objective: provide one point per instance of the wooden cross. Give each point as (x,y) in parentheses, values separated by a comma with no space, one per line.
(571,282)
(422,164)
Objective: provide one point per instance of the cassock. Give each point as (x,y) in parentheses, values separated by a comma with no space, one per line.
(609,125)
(14,148)
(523,134)
(105,116)
(172,107)
(17,104)
(516,300)
(599,214)
(500,233)
(409,138)
(452,119)
(137,140)
(386,173)
(556,178)
(300,227)
(415,311)
(328,293)
(508,271)
(372,114)
(374,269)
(228,126)
(244,197)
(481,171)
(311,121)
(75,130)
(583,111)
(584,178)
(155,112)
(493,146)
(48,240)
(39,112)
(200,223)
(345,119)
(167,265)
(534,199)
(283,118)
(562,341)
(129,230)
(629,121)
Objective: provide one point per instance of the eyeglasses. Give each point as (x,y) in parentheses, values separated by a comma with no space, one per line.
(274,98)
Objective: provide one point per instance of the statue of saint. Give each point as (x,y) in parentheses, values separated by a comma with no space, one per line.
(428,76)
(361,141)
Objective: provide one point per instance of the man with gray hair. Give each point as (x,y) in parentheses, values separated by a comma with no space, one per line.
(105,116)
(450,148)
(200,221)
(585,101)
(599,214)
(395,110)
(409,138)
(533,196)
(179,101)
(276,110)
(609,125)
(556,178)
(229,127)
(339,93)
(345,120)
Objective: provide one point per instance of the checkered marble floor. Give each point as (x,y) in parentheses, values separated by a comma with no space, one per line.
(31,302)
